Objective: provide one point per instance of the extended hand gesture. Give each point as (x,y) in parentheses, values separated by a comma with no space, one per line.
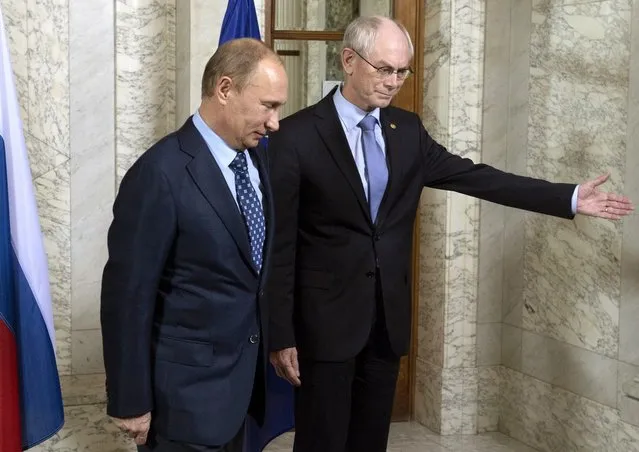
(595,203)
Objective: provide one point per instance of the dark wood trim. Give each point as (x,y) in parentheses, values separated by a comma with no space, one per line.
(268,22)
(288,52)
(307,35)
(411,14)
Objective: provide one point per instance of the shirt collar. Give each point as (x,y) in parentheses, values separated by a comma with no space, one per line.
(216,144)
(350,114)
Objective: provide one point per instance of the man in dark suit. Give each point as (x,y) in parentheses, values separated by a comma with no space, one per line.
(347,174)
(184,318)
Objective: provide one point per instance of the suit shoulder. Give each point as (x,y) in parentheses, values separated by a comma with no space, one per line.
(165,154)
(162,161)
(300,118)
(401,115)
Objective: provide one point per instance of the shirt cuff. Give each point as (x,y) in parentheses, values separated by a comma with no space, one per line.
(574,200)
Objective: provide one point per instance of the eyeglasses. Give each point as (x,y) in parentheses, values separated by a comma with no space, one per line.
(387,71)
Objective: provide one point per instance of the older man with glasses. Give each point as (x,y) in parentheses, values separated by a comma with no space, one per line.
(347,174)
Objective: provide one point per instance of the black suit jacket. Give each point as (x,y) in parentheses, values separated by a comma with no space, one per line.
(326,248)
(183,312)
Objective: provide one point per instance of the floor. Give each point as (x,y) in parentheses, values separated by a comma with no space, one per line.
(411,437)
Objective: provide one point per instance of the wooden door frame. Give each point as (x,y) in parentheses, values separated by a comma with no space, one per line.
(411,14)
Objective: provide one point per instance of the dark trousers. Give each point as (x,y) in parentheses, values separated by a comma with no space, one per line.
(347,406)
(157,443)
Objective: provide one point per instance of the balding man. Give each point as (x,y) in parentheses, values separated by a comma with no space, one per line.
(347,174)
(183,310)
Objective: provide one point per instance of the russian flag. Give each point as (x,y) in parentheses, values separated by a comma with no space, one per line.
(30,399)
(240,21)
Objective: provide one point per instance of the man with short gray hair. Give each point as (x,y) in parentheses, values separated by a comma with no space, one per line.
(347,174)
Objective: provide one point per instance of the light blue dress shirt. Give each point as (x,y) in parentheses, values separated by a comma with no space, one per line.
(350,115)
(224,155)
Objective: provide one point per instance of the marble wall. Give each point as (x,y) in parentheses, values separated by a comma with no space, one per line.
(560,103)
(527,324)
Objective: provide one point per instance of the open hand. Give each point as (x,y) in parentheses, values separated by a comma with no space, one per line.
(595,203)
(286,365)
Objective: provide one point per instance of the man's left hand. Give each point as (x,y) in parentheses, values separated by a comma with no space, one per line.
(595,203)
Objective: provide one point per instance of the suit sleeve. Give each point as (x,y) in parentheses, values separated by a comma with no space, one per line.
(139,240)
(446,171)
(285,184)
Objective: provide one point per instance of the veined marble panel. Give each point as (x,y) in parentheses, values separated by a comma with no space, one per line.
(53,199)
(171,65)
(629,309)
(572,269)
(437,70)
(494,152)
(92,92)
(572,368)
(142,84)
(428,395)
(459,401)
(488,398)
(552,419)
(465,128)
(432,302)
(48,75)
(14,15)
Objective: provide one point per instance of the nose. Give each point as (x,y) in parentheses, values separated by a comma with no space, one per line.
(392,81)
(273,122)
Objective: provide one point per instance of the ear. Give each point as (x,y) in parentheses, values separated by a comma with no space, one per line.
(224,89)
(348,60)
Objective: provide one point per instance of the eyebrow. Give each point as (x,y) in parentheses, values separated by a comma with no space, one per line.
(384,63)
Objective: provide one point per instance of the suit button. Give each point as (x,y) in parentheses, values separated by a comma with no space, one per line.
(370,274)
(261,293)
(377,237)
(254,338)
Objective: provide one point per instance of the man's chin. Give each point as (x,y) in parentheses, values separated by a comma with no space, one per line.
(384,102)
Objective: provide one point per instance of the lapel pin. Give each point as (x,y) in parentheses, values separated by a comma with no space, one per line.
(392,125)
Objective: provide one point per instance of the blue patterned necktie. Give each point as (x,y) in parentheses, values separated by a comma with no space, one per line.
(250,207)
(376,169)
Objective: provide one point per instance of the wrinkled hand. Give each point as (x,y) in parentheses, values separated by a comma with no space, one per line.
(595,203)
(136,427)
(286,365)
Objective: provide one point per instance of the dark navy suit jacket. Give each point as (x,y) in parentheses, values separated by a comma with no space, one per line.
(183,312)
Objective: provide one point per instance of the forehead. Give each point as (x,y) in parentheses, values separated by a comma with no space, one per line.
(391,48)
(268,81)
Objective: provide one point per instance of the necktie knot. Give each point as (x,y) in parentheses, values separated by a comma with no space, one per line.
(368,123)
(239,164)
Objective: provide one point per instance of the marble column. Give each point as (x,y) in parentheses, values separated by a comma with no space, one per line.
(92,94)
(447,374)
(145,76)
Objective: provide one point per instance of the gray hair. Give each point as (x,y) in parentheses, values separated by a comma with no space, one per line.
(361,33)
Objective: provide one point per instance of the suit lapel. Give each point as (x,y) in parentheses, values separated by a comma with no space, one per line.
(332,133)
(207,176)
(393,139)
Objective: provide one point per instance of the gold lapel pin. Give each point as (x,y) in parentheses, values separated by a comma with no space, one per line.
(393,126)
